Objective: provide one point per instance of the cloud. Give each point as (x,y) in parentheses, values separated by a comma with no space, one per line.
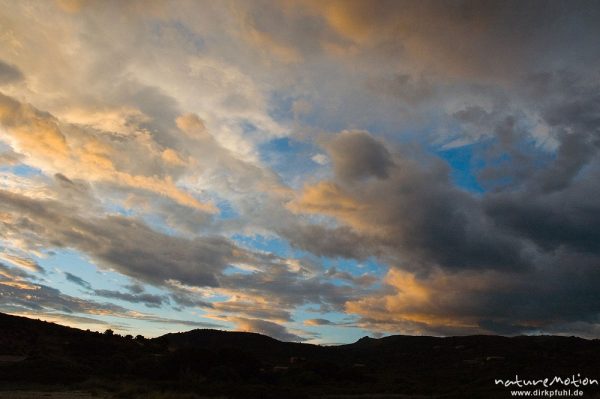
(495,39)
(178,264)
(9,73)
(124,244)
(21,262)
(39,297)
(57,148)
(327,241)
(357,154)
(11,274)
(468,302)
(21,296)
(124,149)
(317,322)
(33,130)
(271,44)
(286,289)
(560,220)
(78,280)
(150,300)
(327,197)
(321,159)
(271,329)
(461,263)
(415,215)
(9,158)
(258,310)
(188,299)
(404,87)
(71,6)
(362,280)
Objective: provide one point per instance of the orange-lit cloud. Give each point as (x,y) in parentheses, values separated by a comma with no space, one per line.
(326,198)
(89,155)
(25,263)
(420,305)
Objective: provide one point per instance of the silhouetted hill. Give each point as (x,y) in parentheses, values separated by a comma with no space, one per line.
(260,346)
(238,364)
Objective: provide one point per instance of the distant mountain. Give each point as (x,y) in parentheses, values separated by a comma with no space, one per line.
(239,364)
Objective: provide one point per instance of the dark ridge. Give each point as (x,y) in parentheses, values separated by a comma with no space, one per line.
(249,365)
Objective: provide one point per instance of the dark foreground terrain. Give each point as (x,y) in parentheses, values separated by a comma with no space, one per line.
(40,359)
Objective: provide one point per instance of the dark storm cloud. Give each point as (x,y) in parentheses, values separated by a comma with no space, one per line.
(78,280)
(566,97)
(418,215)
(574,152)
(357,155)
(560,292)
(517,259)
(570,105)
(424,216)
(542,135)
(554,205)
(415,215)
(328,241)
(9,73)
(565,219)
(471,39)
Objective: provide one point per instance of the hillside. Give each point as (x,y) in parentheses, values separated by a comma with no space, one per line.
(236,364)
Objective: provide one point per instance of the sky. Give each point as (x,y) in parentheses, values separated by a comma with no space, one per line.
(316,171)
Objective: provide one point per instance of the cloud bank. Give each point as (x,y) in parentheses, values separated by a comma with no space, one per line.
(406,167)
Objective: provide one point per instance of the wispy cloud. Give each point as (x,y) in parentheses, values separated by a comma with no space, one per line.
(78,280)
